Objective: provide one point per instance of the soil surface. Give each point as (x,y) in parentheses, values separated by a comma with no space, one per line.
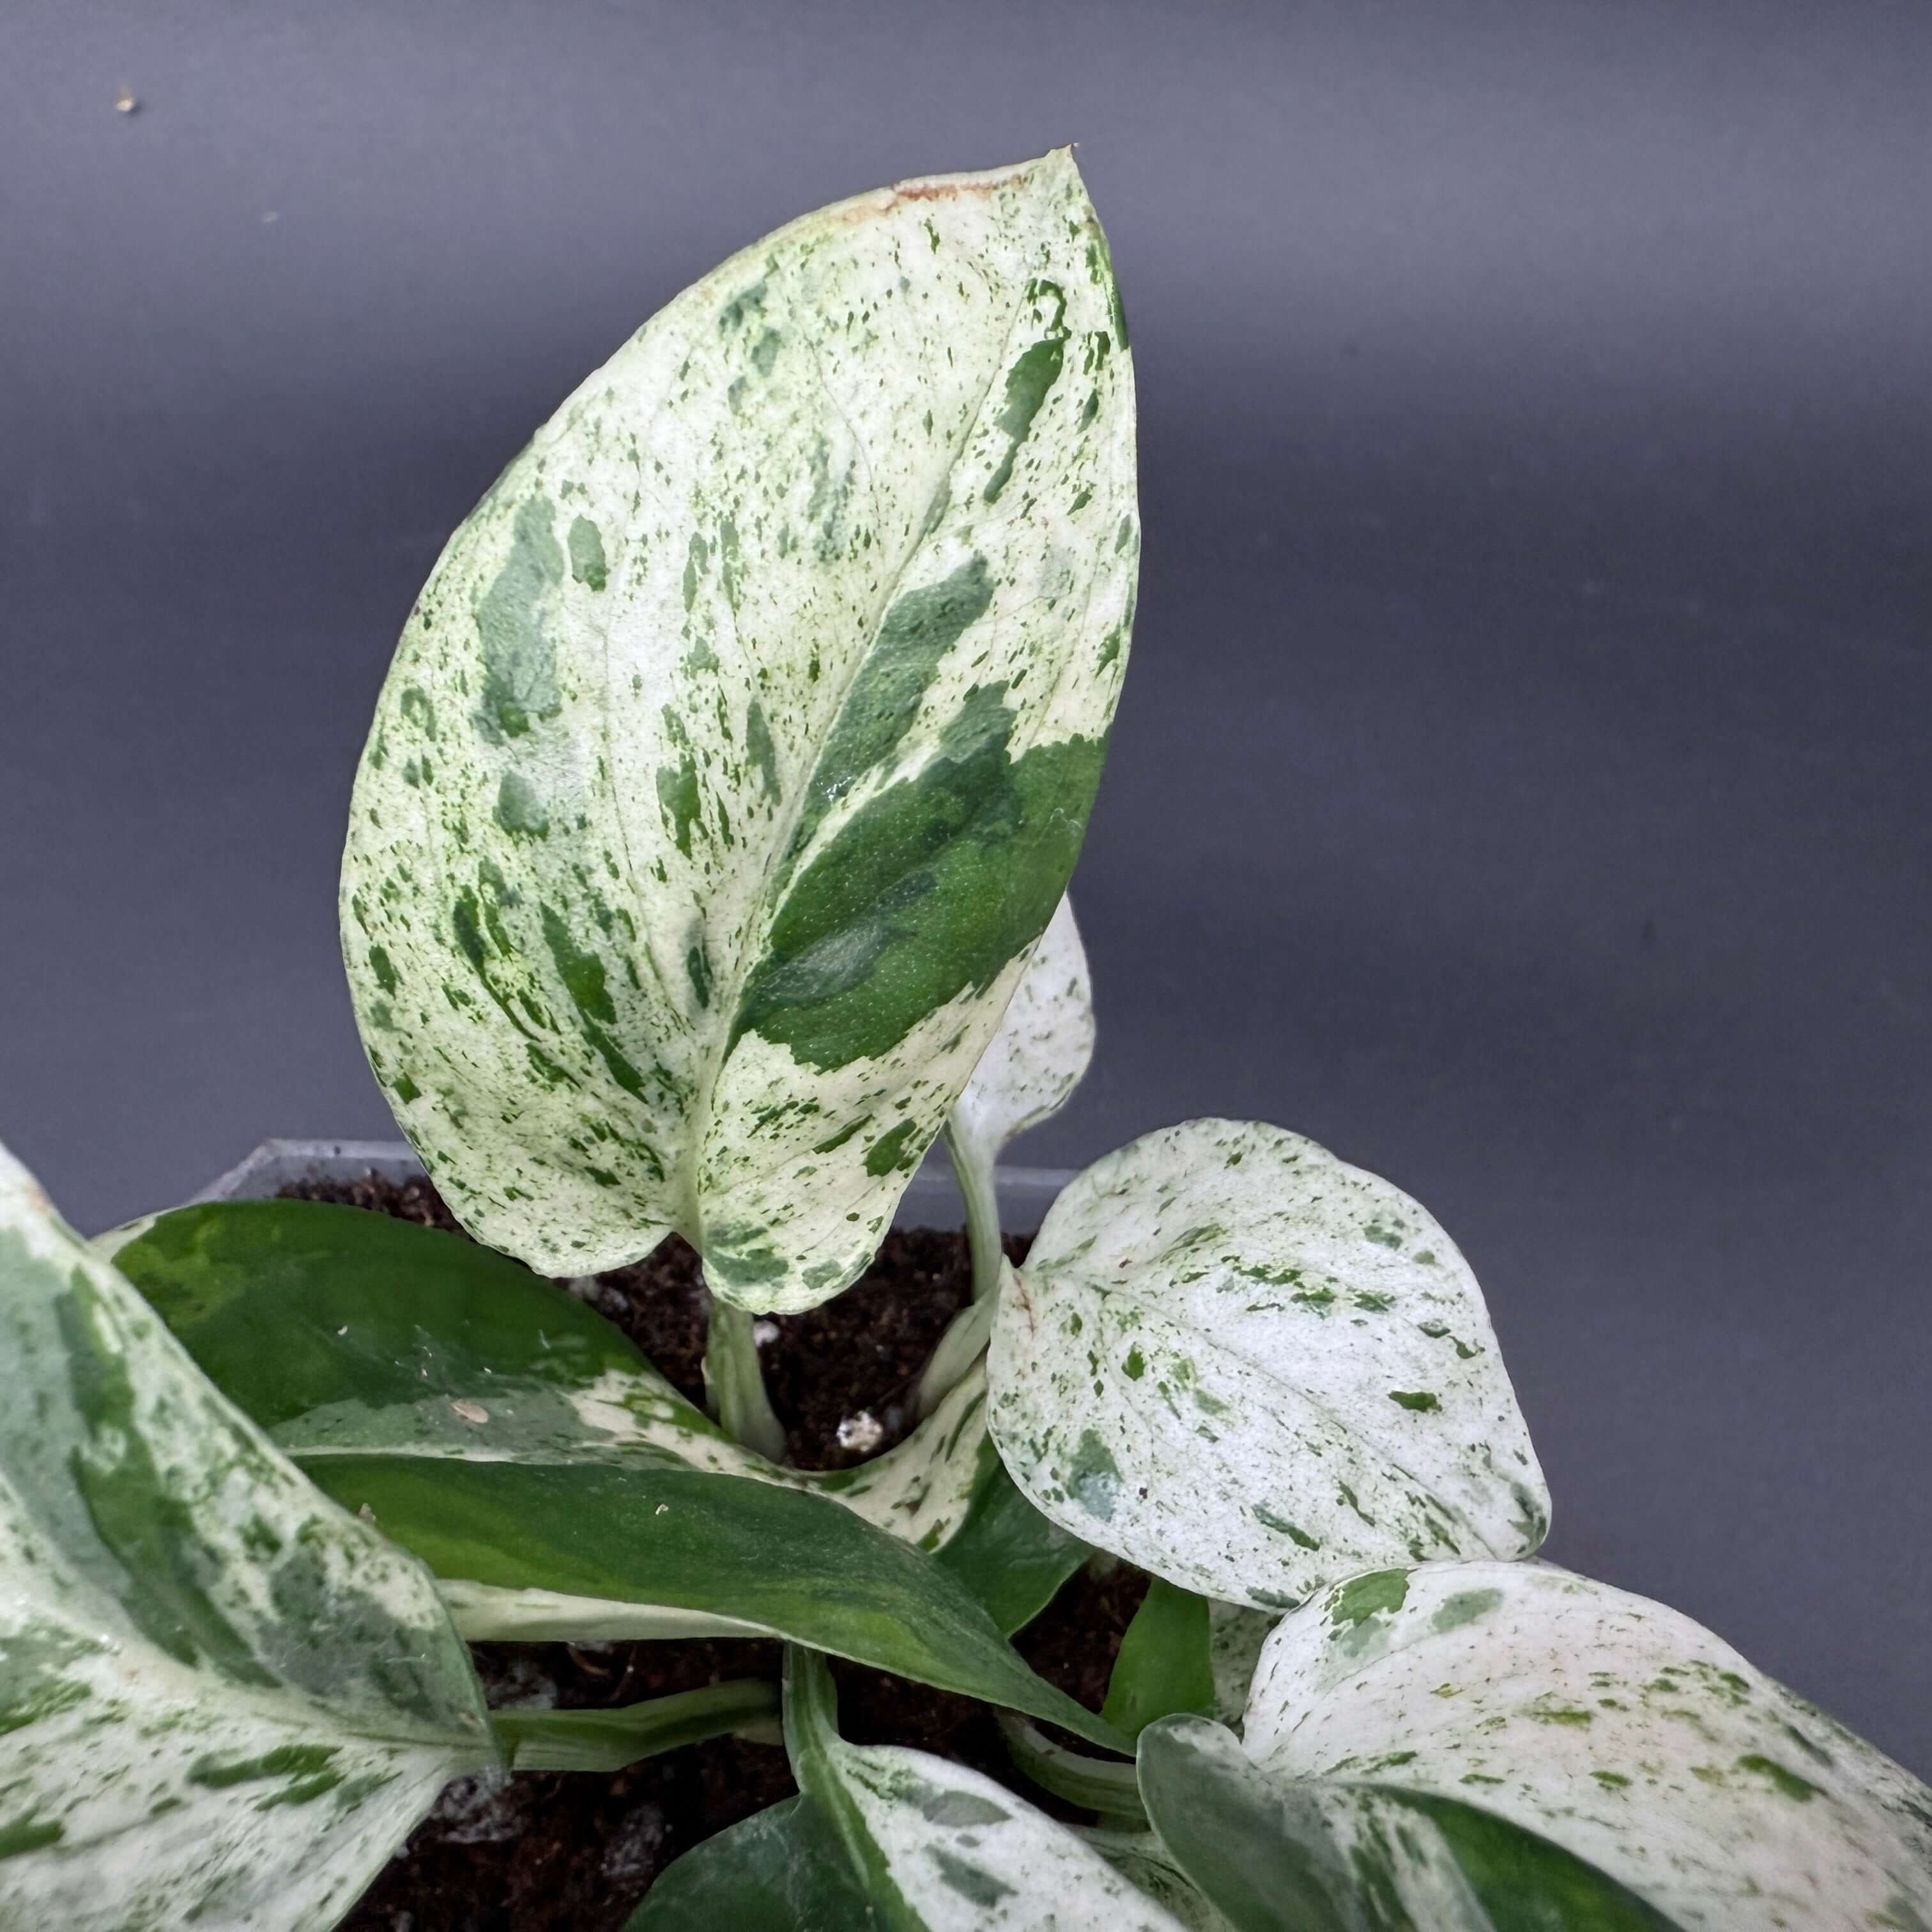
(576,1851)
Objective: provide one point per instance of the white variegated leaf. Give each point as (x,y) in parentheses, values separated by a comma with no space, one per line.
(1252,1369)
(741,743)
(951,1849)
(1614,1726)
(226,1701)
(1235,1635)
(1041,1052)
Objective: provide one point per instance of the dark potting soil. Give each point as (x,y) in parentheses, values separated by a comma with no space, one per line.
(576,1851)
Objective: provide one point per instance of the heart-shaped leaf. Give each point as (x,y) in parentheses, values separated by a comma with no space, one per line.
(517,1442)
(1613,1726)
(1251,1368)
(782,1870)
(942,1849)
(1332,1856)
(743,740)
(226,1701)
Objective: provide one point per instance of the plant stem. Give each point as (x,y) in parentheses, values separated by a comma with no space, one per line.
(734,1382)
(1103,1785)
(608,1740)
(974,1168)
(962,1345)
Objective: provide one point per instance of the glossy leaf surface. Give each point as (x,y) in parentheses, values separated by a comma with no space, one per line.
(523,1447)
(1334,1856)
(1614,1727)
(225,1701)
(743,740)
(782,1870)
(944,1849)
(1246,1366)
(1166,1662)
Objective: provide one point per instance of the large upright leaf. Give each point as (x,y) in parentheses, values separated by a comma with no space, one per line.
(1614,1726)
(741,742)
(1252,1368)
(942,1849)
(225,1701)
(521,1446)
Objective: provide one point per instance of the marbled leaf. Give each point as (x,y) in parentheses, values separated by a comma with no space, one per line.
(739,746)
(1252,1369)
(226,1701)
(940,1848)
(1615,1727)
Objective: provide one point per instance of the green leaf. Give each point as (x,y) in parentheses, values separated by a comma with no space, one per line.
(1252,1369)
(792,1565)
(609,1738)
(1165,1663)
(1614,1726)
(943,1849)
(782,1870)
(225,1701)
(338,1329)
(741,742)
(519,1444)
(1011,1557)
(1236,1634)
(1335,1856)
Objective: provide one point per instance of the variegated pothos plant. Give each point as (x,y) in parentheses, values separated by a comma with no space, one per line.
(707,861)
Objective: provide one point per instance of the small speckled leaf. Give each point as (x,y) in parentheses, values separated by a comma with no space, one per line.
(1041,1052)
(522,1446)
(944,1849)
(782,1870)
(225,1702)
(1251,1368)
(741,744)
(1332,1856)
(1613,1726)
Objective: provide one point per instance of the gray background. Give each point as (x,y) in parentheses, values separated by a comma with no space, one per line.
(1520,786)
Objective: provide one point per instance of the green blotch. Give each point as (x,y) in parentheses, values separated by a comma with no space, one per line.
(587,563)
(929,890)
(1135,1366)
(1420,1400)
(679,799)
(405,1089)
(1362,1597)
(519,811)
(919,630)
(697,553)
(763,752)
(519,662)
(584,980)
(1094,1477)
(893,1150)
(765,351)
(1373,1303)
(1027,383)
(743,306)
(960,1810)
(844,1134)
(418,710)
(29,1835)
(1787,1783)
(978,1887)
(384,969)
(1280,1525)
(744,1254)
(1611,1781)
(284,1761)
(31,1687)
(1465,1607)
(697,971)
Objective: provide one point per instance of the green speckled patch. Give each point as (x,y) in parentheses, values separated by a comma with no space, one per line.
(774,679)
(1285,1361)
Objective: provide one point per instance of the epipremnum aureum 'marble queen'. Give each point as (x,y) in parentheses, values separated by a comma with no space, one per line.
(739,747)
